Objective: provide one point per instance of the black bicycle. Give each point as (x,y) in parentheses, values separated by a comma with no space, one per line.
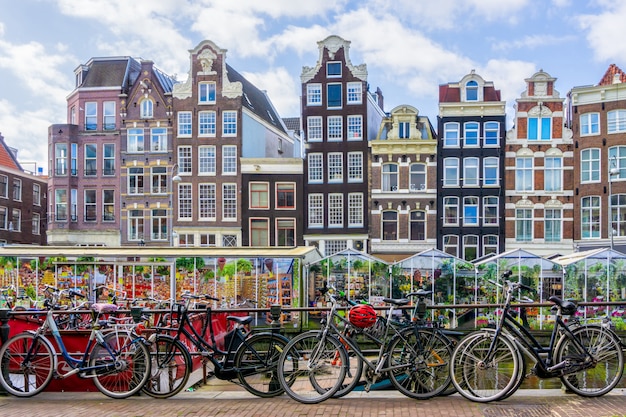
(249,357)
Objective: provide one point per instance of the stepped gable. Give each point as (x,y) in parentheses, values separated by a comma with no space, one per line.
(610,74)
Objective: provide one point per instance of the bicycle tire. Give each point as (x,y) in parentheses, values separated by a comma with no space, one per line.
(170,367)
(309,369)
(354,371)
(482,381)
(26,380)
(604,373)
(129,365)
(420,359)
(256,362)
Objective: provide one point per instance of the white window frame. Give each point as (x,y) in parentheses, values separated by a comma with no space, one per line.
(590,165)
(471,172)
(451,172)
(185,128)
(207,92)
(229,123)
(316,168)
(314,127)
(207,201)
(335,210)
(335,167)
(314,94)
(354,93)
(524,174)
(355,209)
(355,127)
(355,167)
(451,135)
(229,160)
(616,121)
(589,124)
(334,128)
(316,210)
(207,160)
(207,123)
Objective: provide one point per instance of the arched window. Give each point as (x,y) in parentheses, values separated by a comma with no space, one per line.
(417,225)
(471,91)
(418,177)
(147,109)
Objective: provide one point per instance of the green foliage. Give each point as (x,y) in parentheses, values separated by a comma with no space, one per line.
(188,263)
(240,266)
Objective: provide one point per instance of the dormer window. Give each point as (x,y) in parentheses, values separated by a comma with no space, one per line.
(206,93)
(471,91)
(333,69)
(147,109)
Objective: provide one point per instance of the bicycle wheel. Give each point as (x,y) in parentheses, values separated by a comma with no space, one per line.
(27,364)
(354,370)
(124,365)
(591,377)
(256,361)
(170,368)
(309,369)
(419,360)
(482,374)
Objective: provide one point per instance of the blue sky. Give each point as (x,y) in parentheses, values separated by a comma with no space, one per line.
(409,46)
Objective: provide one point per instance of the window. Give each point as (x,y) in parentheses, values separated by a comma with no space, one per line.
(285,195)
(60,205)
(207,239)
(185,201)
(451,135)
(334,246)
(316,210)
(523,174)
(229,159)
(259,195)
(16,220)
(259,232)
(108,118)
(186,239)
(490,244)
(333,69)
(451,245)
(184,160)
(229,201)
(135,140)
(74,159)
(417,177)
(553,174)
(4,186)
(490,211)
(285,232)
(470,211)
(60,159)
(207,201)
(492,133)
(335,128)
(451,211)
(490,171)
(589,124)
(450,172)
(523,225)
(17,189)
(390,225)
(355,127)
(135,180)
(471,91)
(36,224)
(4,218)
(314,94)
(184,123)
(470,247)
(335,167)
(355,166)
(552,225)
(159,224)
(206,123)
(90,206)
(355,210)
(335,210)
(147,109)
(471,134)
(316,167)
(417,225)
(229,241)
(159,180)
(314,128)
(206,160)
(590,165)
(91,116)
(617,159)
(616,121)
(470,172)
(390,177)
(333,95)
(108,205)
(404,130)
(618,214)
(108,162)
(355,93)
(74,204)
(539,128)
(206,93)
(158,139)
(91,160)
(135,225)
(229,123)
(36,195)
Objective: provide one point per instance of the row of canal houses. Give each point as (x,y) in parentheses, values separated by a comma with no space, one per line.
(146,160)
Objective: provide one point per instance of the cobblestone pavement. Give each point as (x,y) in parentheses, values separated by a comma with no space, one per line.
(210,402)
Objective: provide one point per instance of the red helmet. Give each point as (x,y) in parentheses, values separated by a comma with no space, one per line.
(362,316)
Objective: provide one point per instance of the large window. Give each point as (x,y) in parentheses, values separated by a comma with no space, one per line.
(184,123)
(390,177)
(490,210)
(490,171)
(74,204)
(285,195)
(316,167)
(470,247)
(229,159)
(314,94)
(490,245)
(314,128)
(450,172)
(159,180)
(470,172)
(90,207)
(135,225)
(259,195)
(108,162)
(108,116)
(589,124)
(159,224)
(147,109)
(390,225)
(355,210)
(451,245)
(60,159)
(206,160)
(552,222)
(492,133)
(316,210)
(451,135)
(36,224)
(206,93)
(355,166)
(229,201)
(334,96)
(229,123)
(108,205)
(73,159)
(135,141)
(135,180)
(539,128)
(185,161)
(553,174)
(335,210)
(206,123)
(451,211)
(523,225)
(471,134)
(355,127)
(335,128)
(17,189)
(417,225)
(91,160)
(617,159)
(333,69)
(355,93)
(417,177)
(16,220)
(616,121)
(36,194)
(285,232)
(335,167)
(60,205)
(207,201)
(470,211)
(590,165)
(185,201)
(523,174)
(618,214)
(91,115)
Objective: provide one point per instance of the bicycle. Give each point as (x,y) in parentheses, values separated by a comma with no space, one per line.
(490,364)
(313,366)
(119,365)
(248,356)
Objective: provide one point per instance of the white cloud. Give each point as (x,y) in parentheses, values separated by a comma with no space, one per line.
(606,30)
(282,89)
(531,42)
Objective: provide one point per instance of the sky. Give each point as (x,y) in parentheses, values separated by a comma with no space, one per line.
(410,47)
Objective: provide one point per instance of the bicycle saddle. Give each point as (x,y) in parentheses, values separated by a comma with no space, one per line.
(420,293)
(567,307)
(240,320)
(104,308)
(397,301)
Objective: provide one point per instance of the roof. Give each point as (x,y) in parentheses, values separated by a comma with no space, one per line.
(7,156)
(120,72)
(292,123)
(255,100)
(452,94)
(609,76)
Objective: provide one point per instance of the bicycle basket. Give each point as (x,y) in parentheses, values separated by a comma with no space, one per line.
(362,316)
